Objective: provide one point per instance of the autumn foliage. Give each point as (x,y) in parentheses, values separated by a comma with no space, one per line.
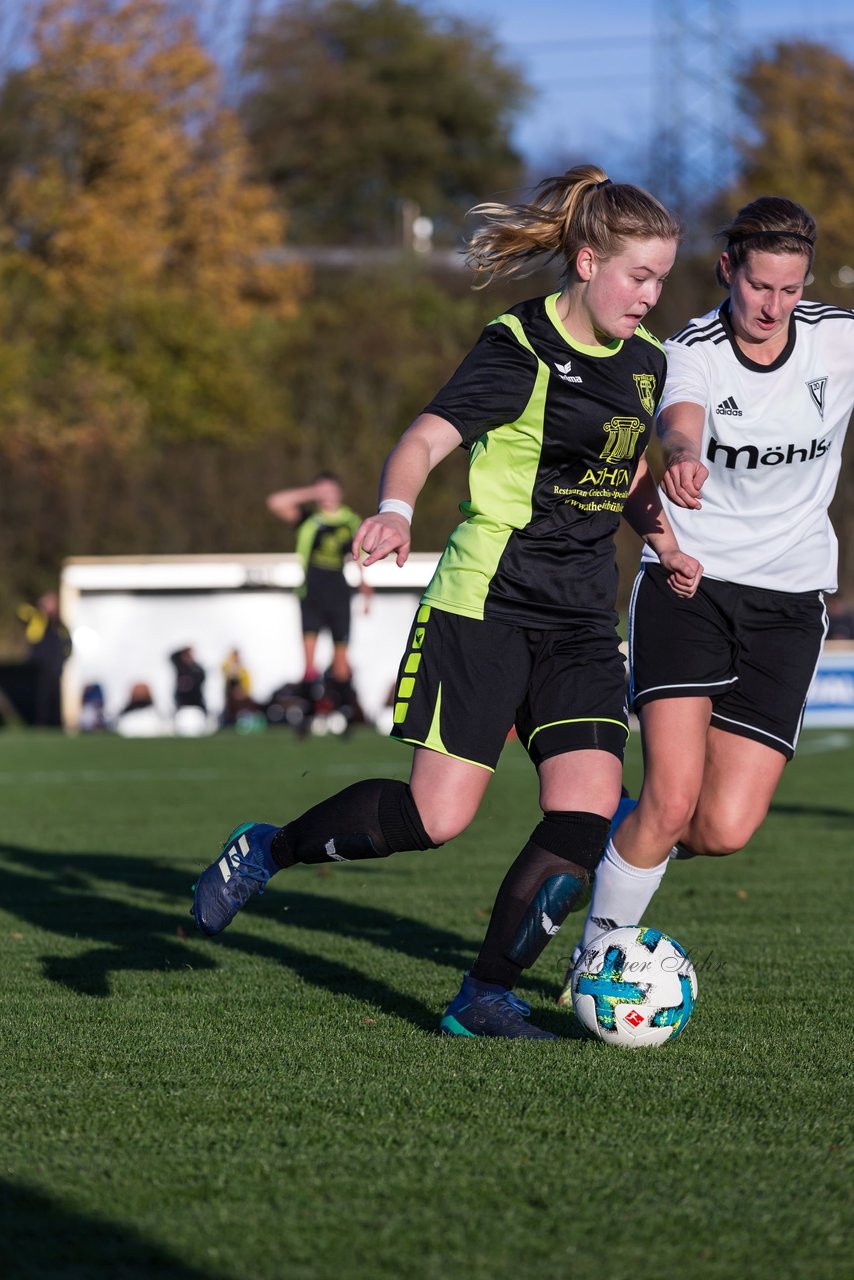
(135,176)
(140,286)
(165,359)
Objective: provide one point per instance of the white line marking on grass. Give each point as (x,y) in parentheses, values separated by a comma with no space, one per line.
(367,767)
(65,777)
(40,777)
(825,742)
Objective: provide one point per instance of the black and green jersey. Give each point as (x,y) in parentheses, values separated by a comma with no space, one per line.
(324,539)
(555,432)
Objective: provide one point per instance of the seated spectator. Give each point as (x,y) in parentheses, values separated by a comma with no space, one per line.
(92,709)
(139,718)
(238,703)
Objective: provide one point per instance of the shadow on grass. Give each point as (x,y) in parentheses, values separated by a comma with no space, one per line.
(41,1239)
(53,891)
(813,811)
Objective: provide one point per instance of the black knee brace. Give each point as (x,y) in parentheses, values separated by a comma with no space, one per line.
(572,834)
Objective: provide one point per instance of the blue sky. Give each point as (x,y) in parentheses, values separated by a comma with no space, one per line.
(595,64)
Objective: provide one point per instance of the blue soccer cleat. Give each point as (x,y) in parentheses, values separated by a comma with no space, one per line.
(484,1009)
(232,879)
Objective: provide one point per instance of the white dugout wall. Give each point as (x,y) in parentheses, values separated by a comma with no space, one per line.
(128,614)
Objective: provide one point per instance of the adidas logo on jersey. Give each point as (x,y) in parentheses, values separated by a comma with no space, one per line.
(729,407)
(562,371)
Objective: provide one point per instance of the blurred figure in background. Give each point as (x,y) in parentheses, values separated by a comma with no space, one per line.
(191,710)
(325,530)
(49,644)
(840,618)
(139,717)
(237,684)
(92,717)
(239,707)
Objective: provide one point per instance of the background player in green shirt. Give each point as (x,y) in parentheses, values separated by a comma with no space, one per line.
(555,404)
(325,531)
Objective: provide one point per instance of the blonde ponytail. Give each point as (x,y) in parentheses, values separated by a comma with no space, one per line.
(581,207)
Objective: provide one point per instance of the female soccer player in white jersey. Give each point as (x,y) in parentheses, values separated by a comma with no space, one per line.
(758,396)
(554,404)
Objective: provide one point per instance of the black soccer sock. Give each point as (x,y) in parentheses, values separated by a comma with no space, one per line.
(538,893)
(371,819)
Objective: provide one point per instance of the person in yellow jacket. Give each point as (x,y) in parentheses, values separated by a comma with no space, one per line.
(49,643)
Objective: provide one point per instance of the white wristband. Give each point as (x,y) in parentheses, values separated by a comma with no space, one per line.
(399,507)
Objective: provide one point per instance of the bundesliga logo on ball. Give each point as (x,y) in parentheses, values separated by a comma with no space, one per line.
(633,987)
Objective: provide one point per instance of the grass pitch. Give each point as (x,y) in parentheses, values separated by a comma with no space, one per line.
(276,1103)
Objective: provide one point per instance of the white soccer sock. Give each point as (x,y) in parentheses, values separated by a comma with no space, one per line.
(621,894)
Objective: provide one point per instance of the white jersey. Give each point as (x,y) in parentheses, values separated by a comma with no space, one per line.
(772,441)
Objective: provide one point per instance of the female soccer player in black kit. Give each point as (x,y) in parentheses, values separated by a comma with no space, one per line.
(555,404)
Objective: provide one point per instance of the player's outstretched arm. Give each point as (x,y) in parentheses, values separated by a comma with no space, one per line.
(421,447)
(646,515)
(288,504)
(680,429)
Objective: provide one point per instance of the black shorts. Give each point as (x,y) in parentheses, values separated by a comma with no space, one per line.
(326,604)
(464,683)
(753,652)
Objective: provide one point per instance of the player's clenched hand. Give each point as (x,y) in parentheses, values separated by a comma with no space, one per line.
(381,535)
(683,482)
(683,571)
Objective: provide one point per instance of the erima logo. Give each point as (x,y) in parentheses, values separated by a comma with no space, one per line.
(562,371)
(549,925)
(729,407)
(330,851)
(753,457)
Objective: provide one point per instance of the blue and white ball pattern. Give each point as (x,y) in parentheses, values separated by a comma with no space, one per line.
(634,987)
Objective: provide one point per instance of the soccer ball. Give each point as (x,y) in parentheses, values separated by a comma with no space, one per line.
(634,986)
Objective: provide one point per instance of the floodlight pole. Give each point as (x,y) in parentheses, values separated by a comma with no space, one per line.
(695,139)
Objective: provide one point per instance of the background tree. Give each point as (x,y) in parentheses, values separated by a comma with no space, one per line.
(139,294)
(798,102)
(133,172)
(356,105)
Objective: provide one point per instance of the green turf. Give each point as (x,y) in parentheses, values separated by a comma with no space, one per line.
(276,1104)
